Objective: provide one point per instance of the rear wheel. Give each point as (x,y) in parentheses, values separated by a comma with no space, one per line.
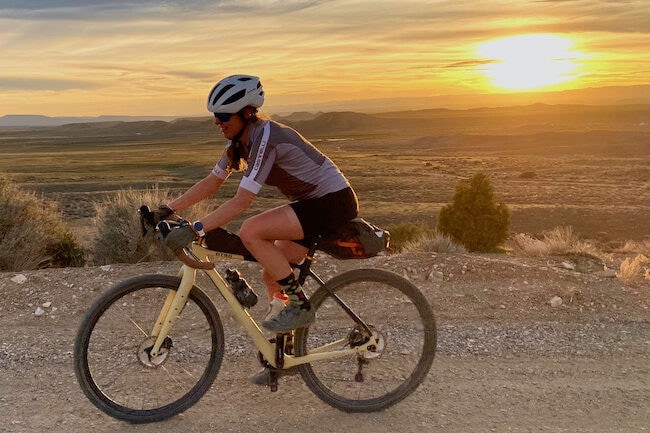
(400,324)
(112,356)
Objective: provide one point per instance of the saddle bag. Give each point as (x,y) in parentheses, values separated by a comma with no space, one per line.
(357,239)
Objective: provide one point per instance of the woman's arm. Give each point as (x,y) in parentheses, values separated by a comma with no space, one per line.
(228,210)
(199,191)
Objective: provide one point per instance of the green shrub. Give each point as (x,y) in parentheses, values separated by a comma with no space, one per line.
(33,233)
(475,218)
(403,233)
(120,238)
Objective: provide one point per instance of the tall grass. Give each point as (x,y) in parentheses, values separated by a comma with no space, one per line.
(637,247)
(434,242)
(560,240)
(120,238)
(635,269)
(32,232)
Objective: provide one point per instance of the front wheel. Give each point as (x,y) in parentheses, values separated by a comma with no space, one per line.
(400,323)
(112,358)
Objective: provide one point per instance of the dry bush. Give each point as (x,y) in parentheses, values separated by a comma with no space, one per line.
(529,246)
(32,232)
(560,240)
(635,247)
(633,270)
(436,242)
(120,238)
(403,233)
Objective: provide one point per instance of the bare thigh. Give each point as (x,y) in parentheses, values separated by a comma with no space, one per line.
(260,234)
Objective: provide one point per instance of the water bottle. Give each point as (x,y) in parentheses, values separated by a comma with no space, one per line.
(243,292)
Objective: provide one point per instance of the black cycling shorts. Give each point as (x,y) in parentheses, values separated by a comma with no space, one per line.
(326,214)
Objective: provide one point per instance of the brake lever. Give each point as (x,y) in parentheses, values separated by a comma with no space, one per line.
(146,216)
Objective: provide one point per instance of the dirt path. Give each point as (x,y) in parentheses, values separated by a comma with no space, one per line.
(470,395)
(507,361)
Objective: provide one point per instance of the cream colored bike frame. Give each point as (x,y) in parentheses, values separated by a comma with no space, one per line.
(176,301)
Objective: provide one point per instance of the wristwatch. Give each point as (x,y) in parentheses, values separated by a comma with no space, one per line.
(198,228)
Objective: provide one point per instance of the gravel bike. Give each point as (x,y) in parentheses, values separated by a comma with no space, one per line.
(151,346)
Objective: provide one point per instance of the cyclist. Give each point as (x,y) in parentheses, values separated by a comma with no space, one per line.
(270,153)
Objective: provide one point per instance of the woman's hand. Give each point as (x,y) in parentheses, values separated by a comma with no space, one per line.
(180,237)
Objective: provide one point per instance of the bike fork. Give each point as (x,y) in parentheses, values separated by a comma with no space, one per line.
(172,309)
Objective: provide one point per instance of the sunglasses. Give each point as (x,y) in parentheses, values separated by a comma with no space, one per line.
(223,117)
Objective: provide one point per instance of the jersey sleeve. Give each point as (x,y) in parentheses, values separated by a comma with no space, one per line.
(220,168)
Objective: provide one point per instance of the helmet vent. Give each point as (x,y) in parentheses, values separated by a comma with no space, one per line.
(236,97)
(233,93)
(221,92)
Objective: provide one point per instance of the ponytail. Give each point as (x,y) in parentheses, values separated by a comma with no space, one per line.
(235,153)
(236,161)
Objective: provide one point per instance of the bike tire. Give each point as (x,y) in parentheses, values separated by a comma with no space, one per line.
(390,305)
(110,351)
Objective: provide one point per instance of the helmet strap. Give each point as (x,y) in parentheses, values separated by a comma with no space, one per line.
(247,121)
(237,136)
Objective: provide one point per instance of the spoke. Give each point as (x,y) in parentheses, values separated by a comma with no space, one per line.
(138,326)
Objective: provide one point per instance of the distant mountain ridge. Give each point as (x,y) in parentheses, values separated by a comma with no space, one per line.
(501,120)
(601,96)
(20,120)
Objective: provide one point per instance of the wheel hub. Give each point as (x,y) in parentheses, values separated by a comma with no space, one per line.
(144,352)
(375,346)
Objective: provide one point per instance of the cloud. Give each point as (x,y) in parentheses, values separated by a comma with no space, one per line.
(19,83)
(104,10)
(469,64)
(309,49)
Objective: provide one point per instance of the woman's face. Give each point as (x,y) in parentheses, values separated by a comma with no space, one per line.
(230,127)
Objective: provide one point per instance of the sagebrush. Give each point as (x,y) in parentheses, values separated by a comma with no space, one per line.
(403,233)
(434,243)
(120,238)
(33,233)
(558,241)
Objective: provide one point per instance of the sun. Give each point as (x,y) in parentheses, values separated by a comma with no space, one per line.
(527,62)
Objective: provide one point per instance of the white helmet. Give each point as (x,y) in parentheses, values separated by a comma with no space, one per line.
(233,93)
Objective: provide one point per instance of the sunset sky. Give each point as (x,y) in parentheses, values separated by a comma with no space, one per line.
(88,58)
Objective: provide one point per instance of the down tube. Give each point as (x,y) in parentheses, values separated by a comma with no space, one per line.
(243,317)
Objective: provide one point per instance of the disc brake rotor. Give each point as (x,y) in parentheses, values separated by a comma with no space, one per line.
(144,352)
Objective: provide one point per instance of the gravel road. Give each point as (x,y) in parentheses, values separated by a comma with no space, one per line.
(507,361)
